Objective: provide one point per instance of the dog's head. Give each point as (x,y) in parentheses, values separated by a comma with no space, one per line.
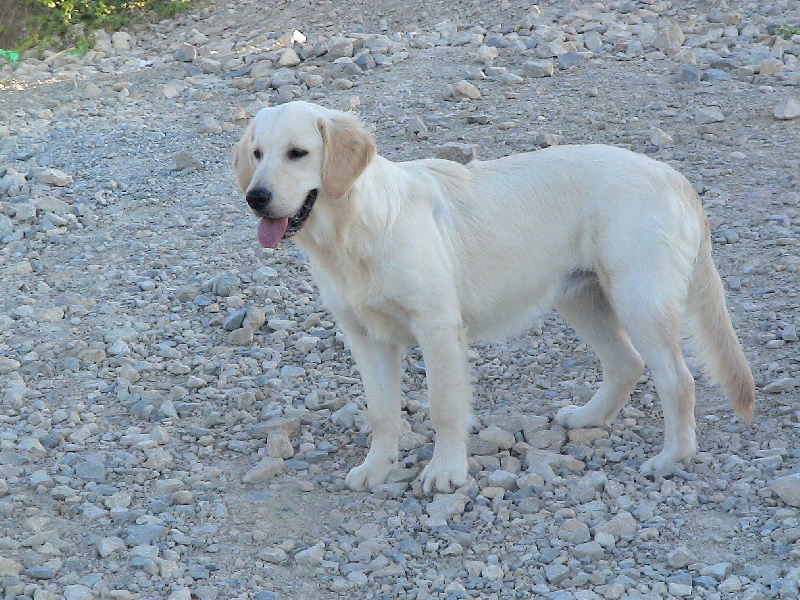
(294,157)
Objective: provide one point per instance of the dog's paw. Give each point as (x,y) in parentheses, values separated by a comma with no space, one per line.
(367,475)
(576,417)
(444,475)
(666,462)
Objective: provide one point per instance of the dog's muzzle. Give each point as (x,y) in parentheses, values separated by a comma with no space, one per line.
(296,222)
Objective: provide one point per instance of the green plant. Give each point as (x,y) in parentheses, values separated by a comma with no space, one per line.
(68,23)
(787,31)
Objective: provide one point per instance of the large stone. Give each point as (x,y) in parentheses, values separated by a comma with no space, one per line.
(289,58)
(708,114)
(447,505)
(185,53)
(9,568)
(669,39)
(460,153)
(574,532)
(623,524)
(463,90)
(538,68)
(588,486)
(788,489)
(681,557)
(266,469)
(486,54)
(311,557)
(788,108)
(55,177)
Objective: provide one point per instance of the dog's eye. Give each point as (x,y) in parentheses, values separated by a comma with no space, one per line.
(296,153)
(257,154)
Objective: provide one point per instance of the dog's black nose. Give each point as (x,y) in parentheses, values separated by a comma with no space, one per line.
(258,198)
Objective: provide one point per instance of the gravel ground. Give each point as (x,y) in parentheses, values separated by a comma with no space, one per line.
(178,411)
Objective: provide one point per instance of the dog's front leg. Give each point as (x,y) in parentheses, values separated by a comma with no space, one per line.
(447,368)
(379,364)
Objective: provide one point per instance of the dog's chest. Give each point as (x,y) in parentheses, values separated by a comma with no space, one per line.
(359,298)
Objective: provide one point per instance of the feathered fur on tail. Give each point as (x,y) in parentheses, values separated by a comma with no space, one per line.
(713,337)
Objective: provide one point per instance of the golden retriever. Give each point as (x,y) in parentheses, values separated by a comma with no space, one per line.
(435,253)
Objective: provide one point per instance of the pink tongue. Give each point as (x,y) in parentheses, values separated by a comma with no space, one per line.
(270,231)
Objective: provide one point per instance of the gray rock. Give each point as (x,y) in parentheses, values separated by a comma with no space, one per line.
(311,557)
(588,486)
(274,556)
(78,592)
(788,489)
(254,318)
(503,479)
(185,162)
(719,571)
(574,532)
(681,557)
(781,386)
(144,535)
(460,153)
(538,68)
(209,124)
(109,545)
(622,524)
(446,506)
(40,572)
(234,320)
(90,470)
(185,53)
(266,469)
(568,60)
(708,114)
(690,74)
(669,39)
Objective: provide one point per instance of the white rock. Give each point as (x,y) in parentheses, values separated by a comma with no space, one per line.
(463,90)
(273,556)
(538,68)
(486,54)
(660,138)
(447,505)
(122,40)
(708,114)
(289,58)
(311,557)
(78,592)
(681,557)
(267,468)
(788,108)
(55,177)
(9,568)
(623,523)
(108,545)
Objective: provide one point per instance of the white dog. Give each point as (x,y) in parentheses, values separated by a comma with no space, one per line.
(434,253)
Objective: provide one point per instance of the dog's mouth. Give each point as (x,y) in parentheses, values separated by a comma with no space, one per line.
(272,231)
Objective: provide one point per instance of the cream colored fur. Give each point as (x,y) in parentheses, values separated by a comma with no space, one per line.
(435,254)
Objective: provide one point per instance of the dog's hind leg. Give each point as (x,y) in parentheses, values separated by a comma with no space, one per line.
(651,314)
(379,364)
(587,309)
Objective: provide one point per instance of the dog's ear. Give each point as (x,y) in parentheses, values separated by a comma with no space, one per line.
(347,150)
(244,165)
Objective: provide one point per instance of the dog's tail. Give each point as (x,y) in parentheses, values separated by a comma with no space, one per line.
(713,337)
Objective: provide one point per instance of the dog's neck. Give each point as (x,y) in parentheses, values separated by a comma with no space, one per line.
(353,223)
